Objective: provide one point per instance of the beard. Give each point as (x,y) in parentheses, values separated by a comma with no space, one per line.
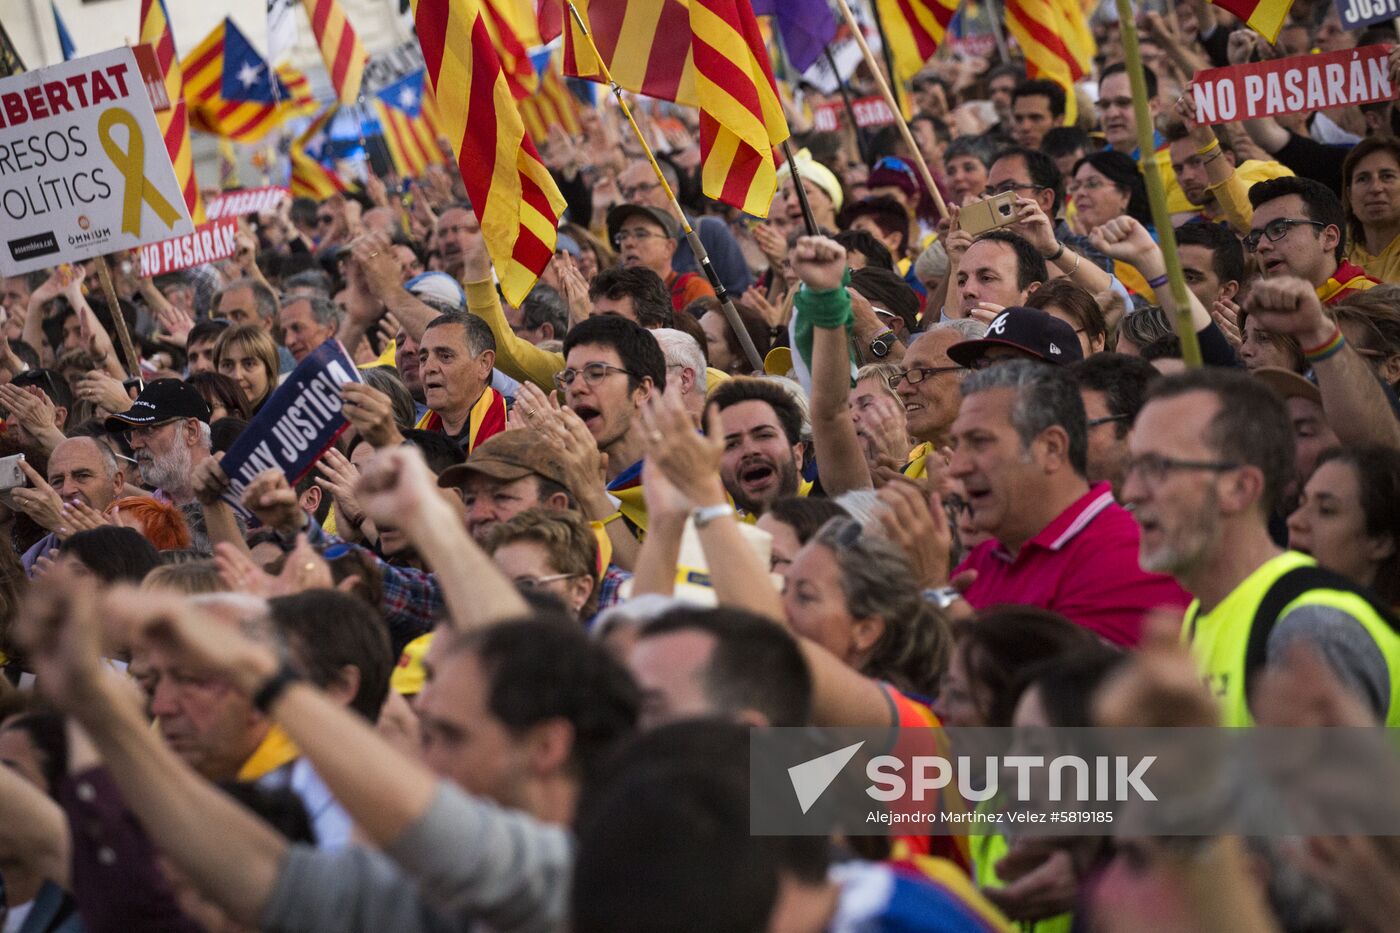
(1189,544)
(170,470)
(787,486)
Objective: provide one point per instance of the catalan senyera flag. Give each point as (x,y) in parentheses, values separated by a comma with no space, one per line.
(408,133)
(340,48)
(311,179)
(553,106)
(174,123)
(702,53)
(1054,35)
(1263,16)
(519,71)
(247,118)
(513,194)
(915,29)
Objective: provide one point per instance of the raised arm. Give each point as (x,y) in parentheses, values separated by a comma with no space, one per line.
(1352,396)
(823,310)
(840,694)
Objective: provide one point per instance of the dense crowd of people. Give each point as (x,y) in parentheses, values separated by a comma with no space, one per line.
(493,662)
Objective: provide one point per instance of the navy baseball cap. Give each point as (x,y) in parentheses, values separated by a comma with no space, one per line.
(162,400)
(1032,331)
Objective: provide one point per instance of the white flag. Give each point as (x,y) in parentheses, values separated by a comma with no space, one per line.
(281,29)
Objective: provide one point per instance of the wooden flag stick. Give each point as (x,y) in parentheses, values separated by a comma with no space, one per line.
(1156,190)
(731,314)
(133,362)
(899,121)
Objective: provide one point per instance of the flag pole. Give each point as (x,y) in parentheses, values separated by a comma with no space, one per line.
(731,314)
(808,219)
(133,361)
(885,51)
(899,120)
(1156,190)
(846,99)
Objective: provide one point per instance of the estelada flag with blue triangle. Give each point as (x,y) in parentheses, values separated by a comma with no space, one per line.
(409,132)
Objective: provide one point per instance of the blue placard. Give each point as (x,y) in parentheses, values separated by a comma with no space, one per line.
(1357,14)
(296,425)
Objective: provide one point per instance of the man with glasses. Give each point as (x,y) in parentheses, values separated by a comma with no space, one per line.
(645,237)
(1119,121)
(1212,452)
(1056,540)
(1298,230)
(1112,387)
(638,185)
(1033,174)
(928,387)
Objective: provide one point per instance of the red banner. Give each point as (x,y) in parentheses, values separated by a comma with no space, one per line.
(245,201)
(218,239)
(1301,84)
(870,112)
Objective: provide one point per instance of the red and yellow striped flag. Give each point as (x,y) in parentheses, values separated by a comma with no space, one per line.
(552,106)
(409,134)
(1054,36)
(1263,16)
(345,58)
(311,179)
(174,123)
(510,48)
(915,29)
(242,121)
(702,53)
(512,193)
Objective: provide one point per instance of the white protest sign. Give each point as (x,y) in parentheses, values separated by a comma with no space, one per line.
(83,168)
(217,239)
(1300,84)
(246,201)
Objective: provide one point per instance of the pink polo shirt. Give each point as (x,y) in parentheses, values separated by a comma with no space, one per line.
(1083,565)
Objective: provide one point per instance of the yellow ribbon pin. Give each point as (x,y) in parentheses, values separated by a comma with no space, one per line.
(132,164)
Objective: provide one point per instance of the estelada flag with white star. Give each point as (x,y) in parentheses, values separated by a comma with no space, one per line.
(227,62)
(409,132)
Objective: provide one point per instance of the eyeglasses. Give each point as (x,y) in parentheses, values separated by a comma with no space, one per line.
(1153,468)
(1275,230)
(920,374)
(1122,103)
(1088,184)
(1106,419)
(592,373)
(530,583)
(1006,186)
(623,236)
(630,193)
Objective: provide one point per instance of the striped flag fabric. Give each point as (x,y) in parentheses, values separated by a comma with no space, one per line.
(553,106)
(243,119)
(516,65)
(311,179)
(345,58)
(65,39)
(701,53)
(1263,16)
(174,123)
(1054,35)
(408,134)
(915,29)
(512,193)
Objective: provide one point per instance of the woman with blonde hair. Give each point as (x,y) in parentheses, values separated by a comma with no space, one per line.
(247,355)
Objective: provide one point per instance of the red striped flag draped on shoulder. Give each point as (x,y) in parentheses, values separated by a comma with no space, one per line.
(341,50)
(174,123)
(512,193)
(702,53)
(915,29)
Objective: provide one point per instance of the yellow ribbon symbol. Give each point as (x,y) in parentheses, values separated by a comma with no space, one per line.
(132,164)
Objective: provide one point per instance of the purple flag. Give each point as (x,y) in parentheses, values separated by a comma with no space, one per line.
(806,26)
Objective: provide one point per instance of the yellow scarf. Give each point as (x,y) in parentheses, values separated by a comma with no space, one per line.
(274,751)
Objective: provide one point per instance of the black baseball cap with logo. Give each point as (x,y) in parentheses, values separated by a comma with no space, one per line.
(162,400)
(1034,332)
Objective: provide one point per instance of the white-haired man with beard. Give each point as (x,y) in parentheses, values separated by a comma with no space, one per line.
(168,429)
